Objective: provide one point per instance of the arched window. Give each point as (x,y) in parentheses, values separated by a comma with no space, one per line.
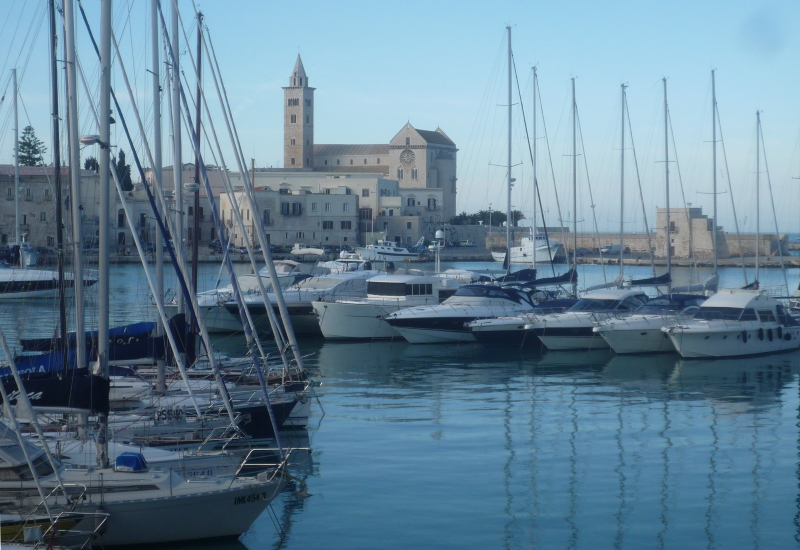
(399,173)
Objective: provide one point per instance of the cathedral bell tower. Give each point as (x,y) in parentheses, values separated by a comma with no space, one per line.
(298,120)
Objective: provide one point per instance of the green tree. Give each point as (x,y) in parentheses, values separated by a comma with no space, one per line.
(496,218)
(123,171)
(31,148)
(91,164)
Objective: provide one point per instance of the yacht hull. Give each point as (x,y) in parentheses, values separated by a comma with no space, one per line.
(217,318)
(356,321)
(505,335)
(732,343)
(566,338)
(434,336)
(650,340)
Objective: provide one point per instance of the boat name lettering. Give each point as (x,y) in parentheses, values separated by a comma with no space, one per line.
(169,414)
(247,499)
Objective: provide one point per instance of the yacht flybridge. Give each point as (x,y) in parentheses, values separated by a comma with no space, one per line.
(736,322)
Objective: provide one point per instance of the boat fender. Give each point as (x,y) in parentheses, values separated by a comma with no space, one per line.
(100,521)
(744,336)
(787,336)
(761,334)
(780,333)
(769,334)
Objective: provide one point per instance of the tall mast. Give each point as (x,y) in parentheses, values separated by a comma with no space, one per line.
(622,189)
(62,306)
(666,176)
(535,183)
(574,191)
(758,198)
(103,258)
(17,215)
(75,180)
(190,347)
(177,165)
(510,179)
(714,144)
(157,175)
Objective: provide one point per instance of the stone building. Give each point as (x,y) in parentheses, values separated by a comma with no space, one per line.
(288,217)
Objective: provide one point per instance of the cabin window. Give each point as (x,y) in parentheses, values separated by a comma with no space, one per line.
(719,313)
(422,289)
(386,289)
(749,314)
(766,316)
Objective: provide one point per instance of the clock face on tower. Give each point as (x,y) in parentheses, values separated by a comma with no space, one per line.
(407,156)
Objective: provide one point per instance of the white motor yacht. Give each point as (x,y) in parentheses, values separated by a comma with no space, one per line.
(573,329)
(537,247)
(510,331)
(640,332)
(385,251)
(24,284)
(736,322)
(362,318)
(301,296)
(447,322)
(212,302)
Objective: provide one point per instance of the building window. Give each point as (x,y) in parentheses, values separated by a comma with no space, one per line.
(121,218)
(293,141)
(399,173)
(285,208)
(10,193)
(408,225)
(191,211)
(385,226)
(308,161)
(292,161)
(351,162)
(337,162)
(326,163)
(199,234)
(308,103)
(308,119)
(410,202)
(408,141)
(379,161)
(200,215)
(293,119)
(214,233)
(391,212)
(365,192)
(327,207)
(265,217)
(365,213)
(347,224)
(297,209)
(43,216)
(28,193)
(414,173)
(365,161)
(313,207)
(46,194)
(345,207)
(142,220)
(300,234)
(247,214)
(300,81)
(51,241)
(431,204)
(327,225)
(294,102)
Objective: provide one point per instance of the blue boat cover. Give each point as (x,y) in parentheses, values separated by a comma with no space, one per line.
(130,462)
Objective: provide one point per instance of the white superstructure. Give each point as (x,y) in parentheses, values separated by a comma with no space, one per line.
(538,248)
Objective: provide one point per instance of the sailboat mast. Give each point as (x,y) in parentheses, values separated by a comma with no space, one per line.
(17,215)
(190,339)
(535,183)
(177,165)
(714,162)
(508,208)
(758,198)
(666,176)
(103,258)
(157,175)
(62,306)
(574,191)
(622,189)
(75,180)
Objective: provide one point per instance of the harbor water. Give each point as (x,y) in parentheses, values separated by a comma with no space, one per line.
(462,446)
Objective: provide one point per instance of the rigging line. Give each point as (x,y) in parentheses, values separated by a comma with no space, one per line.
(774,213)
(8,16)
(641,195)
(36,15)
(591,198)
(683,195)
(535,186)
(552,170)
(730,190)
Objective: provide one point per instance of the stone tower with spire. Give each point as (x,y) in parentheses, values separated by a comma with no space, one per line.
(298,120)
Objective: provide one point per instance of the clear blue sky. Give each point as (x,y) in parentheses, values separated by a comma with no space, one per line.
(378,65)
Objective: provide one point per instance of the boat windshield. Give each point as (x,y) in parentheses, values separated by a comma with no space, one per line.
(318,283)
(664,304)
(587,304)
(724,314)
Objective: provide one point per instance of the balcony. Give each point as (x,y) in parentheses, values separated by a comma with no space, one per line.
(28,198)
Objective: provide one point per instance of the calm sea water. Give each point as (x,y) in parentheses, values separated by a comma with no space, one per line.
(460,446)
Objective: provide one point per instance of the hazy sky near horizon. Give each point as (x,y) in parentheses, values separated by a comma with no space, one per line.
(378,65)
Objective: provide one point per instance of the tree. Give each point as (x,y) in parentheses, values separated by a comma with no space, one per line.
(123,171)
(91,164)
(31,148)
(496,218)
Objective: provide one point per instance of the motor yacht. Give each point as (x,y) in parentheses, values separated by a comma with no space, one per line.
(640,332)
(573,329)
(385,251)
(510,331)
(24,284)
(363,318)
(736,322)
(447,322)
(533,247)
